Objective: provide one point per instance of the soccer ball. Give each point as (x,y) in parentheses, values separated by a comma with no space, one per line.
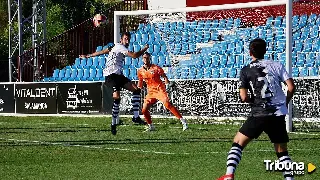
(99,19)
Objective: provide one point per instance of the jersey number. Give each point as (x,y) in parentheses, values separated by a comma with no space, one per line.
(265,91)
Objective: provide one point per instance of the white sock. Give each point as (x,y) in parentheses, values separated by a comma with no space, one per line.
(135,114)
(183,121)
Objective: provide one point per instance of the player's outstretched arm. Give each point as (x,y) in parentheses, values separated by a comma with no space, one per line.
(139,53)
(105,51)
(291,89)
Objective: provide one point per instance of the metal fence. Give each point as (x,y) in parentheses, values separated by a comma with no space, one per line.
(62,50)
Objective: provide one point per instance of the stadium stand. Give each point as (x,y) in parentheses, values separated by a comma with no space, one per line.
(224,58)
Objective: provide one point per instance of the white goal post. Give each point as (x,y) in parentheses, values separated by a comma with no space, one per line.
(288,28)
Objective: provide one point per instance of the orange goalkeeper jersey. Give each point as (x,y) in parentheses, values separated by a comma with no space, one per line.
(152,77)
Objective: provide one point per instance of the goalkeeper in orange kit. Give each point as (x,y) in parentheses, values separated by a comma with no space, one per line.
(151,74)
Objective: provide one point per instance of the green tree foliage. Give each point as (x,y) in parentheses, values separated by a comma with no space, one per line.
(61,16)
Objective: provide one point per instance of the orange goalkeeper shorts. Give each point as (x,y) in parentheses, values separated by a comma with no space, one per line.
(154,95)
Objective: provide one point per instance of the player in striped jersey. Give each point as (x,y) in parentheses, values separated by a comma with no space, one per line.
(114,77)
(268,107)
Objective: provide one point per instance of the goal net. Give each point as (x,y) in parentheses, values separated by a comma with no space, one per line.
(203,49)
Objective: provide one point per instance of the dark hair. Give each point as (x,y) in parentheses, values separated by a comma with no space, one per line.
(126,34)
(258,47)
(146,53)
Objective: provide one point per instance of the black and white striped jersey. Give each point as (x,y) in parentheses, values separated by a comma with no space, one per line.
(263,78)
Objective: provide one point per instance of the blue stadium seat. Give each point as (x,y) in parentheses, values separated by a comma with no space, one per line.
(207,25)
(179,26)
(303,72)
(238,48)
(92,74)
(237,22)
(144,38)
(295,71)
(67,75)
(133,74)
(200,73)
(76,63)
(207,61)
(300,59)
(277,21)
(223,60)
(162,60)
(317,60)
(135,62)
(61,75)
(224,72)
(314,71)
(295,20)
(138,38)
(54,75)
(156,49)
(126,72)
(95,62)
(99,75)
(312,19)
(199,62)
(168,61)
(127,61)
(215,61)
(140,26)
(140,62)
(222,23)
(238,70)
(269,21)
(303,20)
(99,48)
(73,75)
(79,75)
(231,61)
(215,73)
(232,73)
(184,73)
(83,63)
(157,37)
(89,62)
(86,74)
(314,32)
(310,59)
(102,62)
(318,22)
(155,60)
(176,72)
(207,72)
(192,48)
(238,61)
(192,73)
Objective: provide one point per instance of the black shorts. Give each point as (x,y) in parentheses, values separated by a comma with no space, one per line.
(116,81)
(273,126)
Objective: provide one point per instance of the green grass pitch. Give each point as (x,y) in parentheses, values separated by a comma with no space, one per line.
(84,148)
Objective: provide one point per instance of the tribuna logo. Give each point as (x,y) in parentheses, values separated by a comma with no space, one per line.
(295,168)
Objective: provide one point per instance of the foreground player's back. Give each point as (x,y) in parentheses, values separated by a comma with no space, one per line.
(264,78)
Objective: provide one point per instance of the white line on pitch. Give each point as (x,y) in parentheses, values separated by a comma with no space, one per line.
(311,134)
(147,151)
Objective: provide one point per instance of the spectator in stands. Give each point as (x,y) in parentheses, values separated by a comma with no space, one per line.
(115,78)
(268,107)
